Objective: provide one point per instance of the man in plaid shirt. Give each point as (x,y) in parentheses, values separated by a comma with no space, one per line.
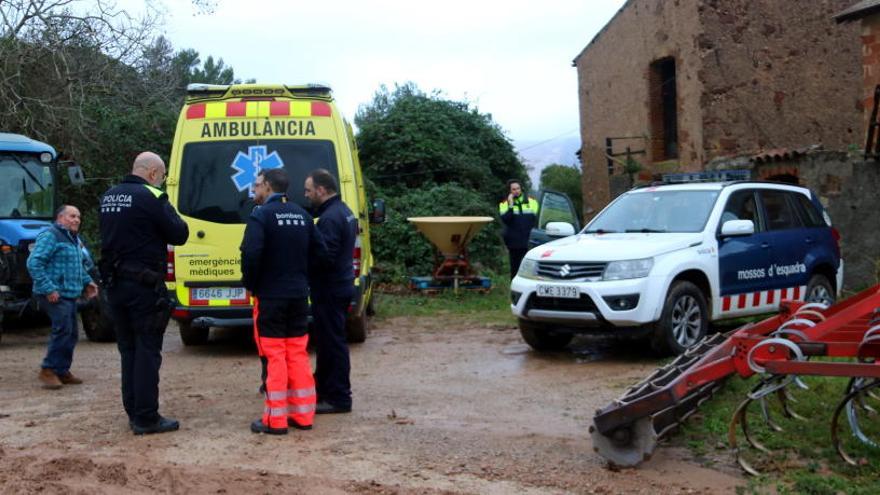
(57,267)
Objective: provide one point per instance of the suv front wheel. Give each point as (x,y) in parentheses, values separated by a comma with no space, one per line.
(541,338)
(684,321)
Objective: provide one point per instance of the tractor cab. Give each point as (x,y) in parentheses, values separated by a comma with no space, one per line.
(29,174)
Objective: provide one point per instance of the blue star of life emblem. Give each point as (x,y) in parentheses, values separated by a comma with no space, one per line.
(249,165)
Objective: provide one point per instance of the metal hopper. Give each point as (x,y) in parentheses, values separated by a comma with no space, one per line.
(451,235)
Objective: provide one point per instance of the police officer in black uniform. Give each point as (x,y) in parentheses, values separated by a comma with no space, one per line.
(137,224)
(332,284)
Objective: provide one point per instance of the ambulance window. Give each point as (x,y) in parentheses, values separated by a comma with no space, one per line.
(742,206)
(809,215)
(215,177)
(352,150)
(779,211)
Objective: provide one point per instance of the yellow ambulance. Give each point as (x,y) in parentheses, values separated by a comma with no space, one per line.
(225,135)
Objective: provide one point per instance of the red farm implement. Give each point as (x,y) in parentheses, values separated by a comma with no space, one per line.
(778,349)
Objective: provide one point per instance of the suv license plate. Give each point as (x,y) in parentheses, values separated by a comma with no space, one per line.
(217,293)
(563,291)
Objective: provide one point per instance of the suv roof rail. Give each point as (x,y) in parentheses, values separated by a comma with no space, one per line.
(708,176)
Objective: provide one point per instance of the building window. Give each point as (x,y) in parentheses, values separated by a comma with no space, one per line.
(664,110)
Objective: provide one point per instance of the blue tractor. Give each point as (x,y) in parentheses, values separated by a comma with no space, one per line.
(29,175)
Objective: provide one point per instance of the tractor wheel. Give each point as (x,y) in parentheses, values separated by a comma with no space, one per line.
(97,322)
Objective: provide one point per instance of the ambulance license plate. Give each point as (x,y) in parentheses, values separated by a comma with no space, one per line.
(217,293)
(563,291)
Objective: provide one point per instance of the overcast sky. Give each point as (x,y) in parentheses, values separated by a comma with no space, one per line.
(511,59)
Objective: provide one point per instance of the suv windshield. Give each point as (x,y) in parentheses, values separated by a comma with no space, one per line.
(656,211)
(216,177)
(26,186)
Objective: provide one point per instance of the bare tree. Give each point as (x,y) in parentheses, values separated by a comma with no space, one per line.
(205,6)
(59,57)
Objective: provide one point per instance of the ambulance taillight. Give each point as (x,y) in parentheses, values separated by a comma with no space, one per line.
(356,258)
(169,269)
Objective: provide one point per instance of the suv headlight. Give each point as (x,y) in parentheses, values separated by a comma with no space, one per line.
(528,269)
(620,270)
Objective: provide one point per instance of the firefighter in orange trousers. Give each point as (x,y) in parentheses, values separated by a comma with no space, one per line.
(279,239)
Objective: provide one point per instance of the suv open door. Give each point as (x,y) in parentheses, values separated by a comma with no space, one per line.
(555,210)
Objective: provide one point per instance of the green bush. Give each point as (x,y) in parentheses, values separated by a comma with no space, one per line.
(409,138)
(401,251)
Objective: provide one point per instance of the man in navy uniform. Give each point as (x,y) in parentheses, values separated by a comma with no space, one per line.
(332,284)
(137,224)
(278,242)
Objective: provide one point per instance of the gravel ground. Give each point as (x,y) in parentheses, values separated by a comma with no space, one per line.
(441,405)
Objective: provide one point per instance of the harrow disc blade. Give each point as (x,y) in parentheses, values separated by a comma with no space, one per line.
(628,445)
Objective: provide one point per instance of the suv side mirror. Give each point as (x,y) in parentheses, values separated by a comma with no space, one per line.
(560,229)
(377,215)
(732,228)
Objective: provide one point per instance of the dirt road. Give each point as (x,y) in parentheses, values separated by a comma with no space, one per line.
(440,406)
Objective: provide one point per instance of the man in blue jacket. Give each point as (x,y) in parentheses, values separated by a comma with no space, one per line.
(279,239)
(332,283)
(137,225)
(519,214)
(57,268)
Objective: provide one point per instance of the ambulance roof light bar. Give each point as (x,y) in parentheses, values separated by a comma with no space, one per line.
(201,90)
(202,87)
(312,89)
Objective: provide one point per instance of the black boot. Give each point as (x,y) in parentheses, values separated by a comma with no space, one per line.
(324,407)
(293,424)
(161,426)
(258,427)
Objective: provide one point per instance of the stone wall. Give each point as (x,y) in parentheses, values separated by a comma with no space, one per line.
(778,75)
(870,31)
(751,75)
(848,187)
(613,88)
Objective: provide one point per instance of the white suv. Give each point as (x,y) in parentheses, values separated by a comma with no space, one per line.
(664,261)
